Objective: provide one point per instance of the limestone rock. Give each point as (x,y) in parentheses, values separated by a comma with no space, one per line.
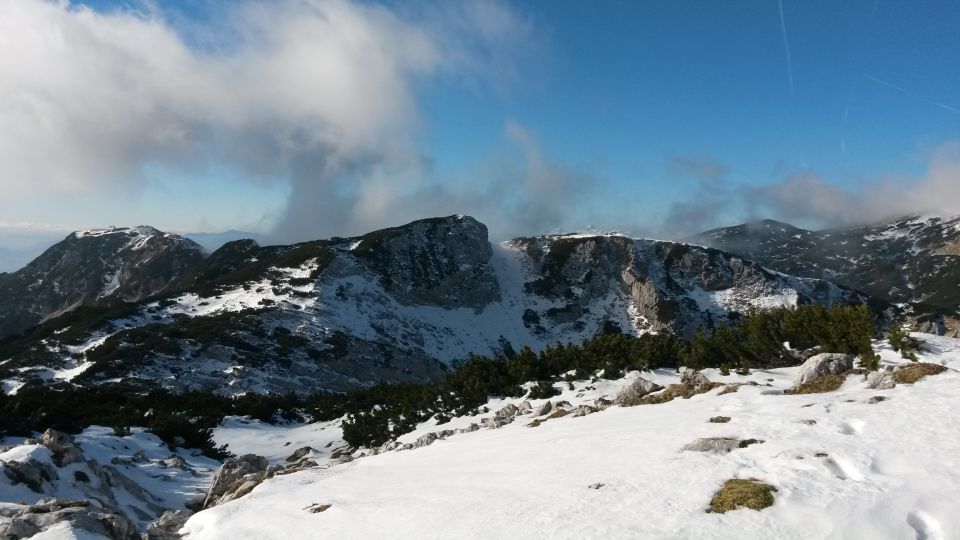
(167,527)
(881,379)
(823,364)
(631,394)
(31,473)
(27,521)
(543,409)
(61,445)
(299,454)
(692,377)
(508,411)
(425,440)
(236,477)
(583,410)
(721,445)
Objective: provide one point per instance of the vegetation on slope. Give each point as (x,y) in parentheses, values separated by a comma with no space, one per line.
(385,411)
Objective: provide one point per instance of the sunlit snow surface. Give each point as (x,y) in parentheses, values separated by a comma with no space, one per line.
(891,470)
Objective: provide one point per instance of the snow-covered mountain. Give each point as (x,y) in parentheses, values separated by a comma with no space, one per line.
(910,260)
(96,267)
(398,304)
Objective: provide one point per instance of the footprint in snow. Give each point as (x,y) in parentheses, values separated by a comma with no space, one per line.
(843,468)
(852,427)
(925,526)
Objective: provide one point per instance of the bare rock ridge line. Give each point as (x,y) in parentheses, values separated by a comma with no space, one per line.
(396,305)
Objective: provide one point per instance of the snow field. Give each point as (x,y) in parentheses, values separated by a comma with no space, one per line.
(845,466)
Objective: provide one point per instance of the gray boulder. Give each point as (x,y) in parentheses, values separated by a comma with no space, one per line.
(425,440)
(508,411)
(823,364)
(472,427)
(31,473)
(720,445)
(583,410)
(61,445)
(167,527)
(495,422)
(543,409)
(631,394)
(299,454)
(235,478)
(692,377)
(881,379)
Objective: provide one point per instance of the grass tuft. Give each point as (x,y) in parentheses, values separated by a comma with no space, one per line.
(827,383)
(675,391)
(742,493)
(914,372)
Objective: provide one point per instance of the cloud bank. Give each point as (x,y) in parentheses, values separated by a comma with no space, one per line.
(808,198)
(321,94)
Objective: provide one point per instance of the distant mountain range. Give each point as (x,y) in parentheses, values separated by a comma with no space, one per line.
(152,310)
(913,260)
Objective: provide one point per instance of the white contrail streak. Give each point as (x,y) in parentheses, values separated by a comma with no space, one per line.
(786,46)
(906,92)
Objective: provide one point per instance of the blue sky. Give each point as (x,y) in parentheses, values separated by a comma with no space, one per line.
(653,118)
(632,84)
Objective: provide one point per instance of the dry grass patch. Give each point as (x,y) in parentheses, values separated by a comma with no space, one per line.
(914,372)
(719,419)
(827,383)
(742,493)
(675,391)
(729,389)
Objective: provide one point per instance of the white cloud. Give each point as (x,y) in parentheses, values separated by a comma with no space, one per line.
(320,93)
(807,198)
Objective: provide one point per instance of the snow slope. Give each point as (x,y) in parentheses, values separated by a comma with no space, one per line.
(845,466)
(276,442)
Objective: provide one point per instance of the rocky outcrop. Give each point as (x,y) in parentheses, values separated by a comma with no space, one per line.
(167,527)
(235,478)
(632,393)
(543,409)
(439,261)
(30,473)
(823,364)
(61,446)
(425,440)
(721,445)
(882,379)
(299,454)
(81,515)
(693,378)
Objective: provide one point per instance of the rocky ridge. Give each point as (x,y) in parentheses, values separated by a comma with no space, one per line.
(395,305)
(914,260)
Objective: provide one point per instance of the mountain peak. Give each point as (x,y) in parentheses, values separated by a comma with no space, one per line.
(95,266)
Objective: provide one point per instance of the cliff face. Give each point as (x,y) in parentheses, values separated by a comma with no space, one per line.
(399,304)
